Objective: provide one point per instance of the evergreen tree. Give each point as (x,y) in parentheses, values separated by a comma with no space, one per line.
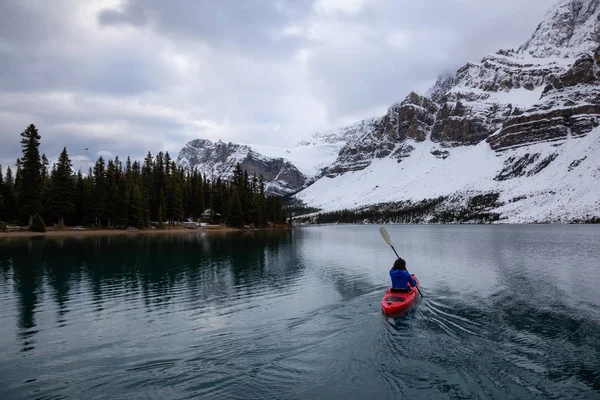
(17,175)
(111,204)
(160,215)
(147,188)
(46,211)
(80,199)
(128,170)
(1,194)
(238,177)
(167,164)
(44,170)
(158,175)
(88,214)
(10,197)
(261,186)
(254,186)
(262,204)
(235,216)
(123,200)
(30,185)
(62,197)
(135,216)
(206,193)
(174,196)
(188,195)
(252,212)
(198,195)
(99,193)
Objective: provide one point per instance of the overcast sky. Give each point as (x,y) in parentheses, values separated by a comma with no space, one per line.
(124,77)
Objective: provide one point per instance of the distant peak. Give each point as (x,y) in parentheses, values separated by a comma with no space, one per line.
(343,134)
(569,28)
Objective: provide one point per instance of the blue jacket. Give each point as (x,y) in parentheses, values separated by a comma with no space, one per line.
(401,279)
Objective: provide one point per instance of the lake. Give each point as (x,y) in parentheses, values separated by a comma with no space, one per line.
(509,312)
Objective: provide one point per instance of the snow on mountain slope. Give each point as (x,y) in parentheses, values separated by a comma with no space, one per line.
(320,150)
(284,169)
(340,135)
(541,182)
(309,159)
(218,160)
(569,28)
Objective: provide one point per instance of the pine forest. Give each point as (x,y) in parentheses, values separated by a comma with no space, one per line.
(120,194)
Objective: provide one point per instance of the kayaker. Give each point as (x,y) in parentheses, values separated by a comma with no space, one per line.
(400,277)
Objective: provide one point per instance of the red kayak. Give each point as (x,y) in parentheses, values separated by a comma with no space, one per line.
(396,302)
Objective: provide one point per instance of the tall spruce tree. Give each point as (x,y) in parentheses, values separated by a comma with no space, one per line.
(238,177)
(235,217)
(198,195)
(10,197)
(17,175)
(112,194)
(1,194)
(148,188)
(135,216)
(62,197)
(99,193)
(262,204)
(45,167)
(80,199)
(123,202)
(160,214)
(46,211)
(175,195)
(167,164)
(88,214)
(30,182)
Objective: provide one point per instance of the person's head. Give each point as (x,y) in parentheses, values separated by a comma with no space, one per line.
(400,264)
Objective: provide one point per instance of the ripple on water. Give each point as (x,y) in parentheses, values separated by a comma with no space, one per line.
(289,319)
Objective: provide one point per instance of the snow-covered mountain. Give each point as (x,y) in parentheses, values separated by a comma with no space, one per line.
(285,170)
(218,160)
(520,123)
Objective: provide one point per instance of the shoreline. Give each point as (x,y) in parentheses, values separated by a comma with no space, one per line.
(116,232)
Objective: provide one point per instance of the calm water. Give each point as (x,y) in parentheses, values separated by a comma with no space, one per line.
(509,312)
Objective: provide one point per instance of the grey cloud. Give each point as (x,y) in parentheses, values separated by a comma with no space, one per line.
(152,74)
(133,15)
(441,37)
(247,26)
(118,74)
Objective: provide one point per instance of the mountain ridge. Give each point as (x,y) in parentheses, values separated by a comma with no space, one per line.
(495,114)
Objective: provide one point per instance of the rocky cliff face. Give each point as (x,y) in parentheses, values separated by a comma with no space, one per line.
(411,119)
(570,28)
(569,106)
(218,160)
(545,90)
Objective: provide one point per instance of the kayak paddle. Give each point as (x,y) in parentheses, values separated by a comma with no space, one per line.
(386,236)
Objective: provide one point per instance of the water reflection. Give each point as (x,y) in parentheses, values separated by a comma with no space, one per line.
(297,315)
(202,268)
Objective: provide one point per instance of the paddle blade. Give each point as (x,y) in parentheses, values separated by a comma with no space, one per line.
(385,236)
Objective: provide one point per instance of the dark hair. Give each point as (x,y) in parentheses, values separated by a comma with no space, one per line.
(400,264)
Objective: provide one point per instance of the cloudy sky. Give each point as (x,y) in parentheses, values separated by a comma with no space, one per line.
(122,77)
